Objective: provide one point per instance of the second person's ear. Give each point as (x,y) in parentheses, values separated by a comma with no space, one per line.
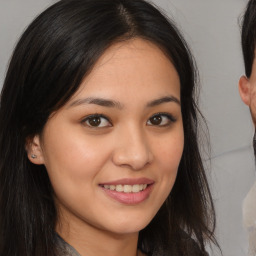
(245,90)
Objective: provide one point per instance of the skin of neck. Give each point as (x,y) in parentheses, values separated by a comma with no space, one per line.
(90,241)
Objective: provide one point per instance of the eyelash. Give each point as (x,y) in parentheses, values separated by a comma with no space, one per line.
(90,117)
(171,119)
(87,119)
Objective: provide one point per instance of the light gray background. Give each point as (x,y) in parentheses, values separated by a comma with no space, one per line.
(211,28)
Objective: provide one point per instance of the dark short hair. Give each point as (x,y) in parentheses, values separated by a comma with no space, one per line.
(249,36)
(57,50)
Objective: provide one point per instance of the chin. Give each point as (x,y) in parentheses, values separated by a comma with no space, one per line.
(129,226)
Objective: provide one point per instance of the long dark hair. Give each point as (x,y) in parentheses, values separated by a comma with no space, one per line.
(54,54)
(249,36)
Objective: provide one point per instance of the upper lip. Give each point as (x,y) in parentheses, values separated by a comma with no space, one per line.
(129,181)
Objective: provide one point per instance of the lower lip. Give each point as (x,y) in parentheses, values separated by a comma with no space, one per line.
(129,198)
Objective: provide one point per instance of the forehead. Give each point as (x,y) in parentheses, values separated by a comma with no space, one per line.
(133,64)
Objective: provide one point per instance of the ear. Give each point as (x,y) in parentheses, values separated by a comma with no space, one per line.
(34,150)
(245,90)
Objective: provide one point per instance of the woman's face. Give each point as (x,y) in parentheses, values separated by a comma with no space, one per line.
(113,151)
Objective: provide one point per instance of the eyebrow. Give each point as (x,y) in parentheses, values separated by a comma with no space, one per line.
(118,105)
(97,101)
(163,100)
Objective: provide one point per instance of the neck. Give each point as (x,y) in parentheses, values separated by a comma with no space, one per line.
(91,241)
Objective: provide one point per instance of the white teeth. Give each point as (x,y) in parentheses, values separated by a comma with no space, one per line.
(112,187)
(127,188)
(135,188)
(119,188)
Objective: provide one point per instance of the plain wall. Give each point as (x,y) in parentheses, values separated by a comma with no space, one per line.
(211,29)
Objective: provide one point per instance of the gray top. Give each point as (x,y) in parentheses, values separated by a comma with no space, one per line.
(65,249)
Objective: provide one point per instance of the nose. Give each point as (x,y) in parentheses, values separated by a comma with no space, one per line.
(132,150)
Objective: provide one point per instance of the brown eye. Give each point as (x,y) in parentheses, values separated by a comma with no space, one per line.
(156,120)
(94,121)
(97,121)
(161,120)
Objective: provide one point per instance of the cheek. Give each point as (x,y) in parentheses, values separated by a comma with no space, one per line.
(75,157)
(169,155)
(73,164)
(170,148)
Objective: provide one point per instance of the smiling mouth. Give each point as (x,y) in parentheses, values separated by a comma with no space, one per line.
(126,188)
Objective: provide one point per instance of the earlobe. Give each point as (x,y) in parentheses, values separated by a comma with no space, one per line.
(245,90)
(34,150)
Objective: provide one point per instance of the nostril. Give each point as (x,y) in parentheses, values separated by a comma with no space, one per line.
(132,160)
(132,150)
